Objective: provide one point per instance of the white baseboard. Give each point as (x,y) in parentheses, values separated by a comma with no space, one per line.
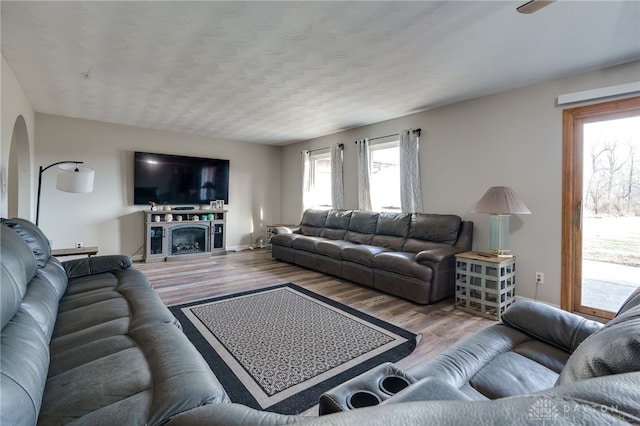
(238,248)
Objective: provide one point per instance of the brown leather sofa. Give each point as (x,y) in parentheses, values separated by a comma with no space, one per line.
(407,255)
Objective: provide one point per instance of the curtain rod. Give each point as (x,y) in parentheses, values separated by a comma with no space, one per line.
(395,134)
(341,146)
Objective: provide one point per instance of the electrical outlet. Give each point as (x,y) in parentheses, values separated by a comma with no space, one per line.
(79,244)
(539,278)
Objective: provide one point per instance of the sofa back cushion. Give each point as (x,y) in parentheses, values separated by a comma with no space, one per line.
(313,221)
(362,226)
(23,343)
(614,349)
(18,269)
(439,228)
(632,301)
(337,224)
(391,231)
(33,236)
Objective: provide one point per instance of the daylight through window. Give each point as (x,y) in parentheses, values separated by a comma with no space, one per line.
(385,176)
(321,180)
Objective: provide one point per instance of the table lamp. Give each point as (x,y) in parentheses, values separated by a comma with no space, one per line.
(500,202)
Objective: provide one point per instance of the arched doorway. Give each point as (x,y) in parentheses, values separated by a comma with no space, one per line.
(18,174)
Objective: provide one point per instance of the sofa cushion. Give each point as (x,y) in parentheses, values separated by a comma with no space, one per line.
(632,301)
(33,236)
(393,224)
(332,248)
(391,231)
(118,344)
(96,265)
(402,263)
(614,349)
(413,245)
(333,234)
(144,377)
(41,301)
(362,227)
(338,219)
(18,268)
(284,240)
(307,243)
(23,370)
(313,221)
(362,254)
(511,374)
(549,324)
(438,228)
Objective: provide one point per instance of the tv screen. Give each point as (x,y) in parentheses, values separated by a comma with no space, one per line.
(176,179)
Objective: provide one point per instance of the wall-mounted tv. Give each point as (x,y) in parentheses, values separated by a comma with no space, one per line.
(177,179)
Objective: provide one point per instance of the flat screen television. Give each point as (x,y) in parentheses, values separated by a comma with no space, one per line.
(177,179)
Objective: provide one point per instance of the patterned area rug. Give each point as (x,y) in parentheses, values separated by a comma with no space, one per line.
(279,348)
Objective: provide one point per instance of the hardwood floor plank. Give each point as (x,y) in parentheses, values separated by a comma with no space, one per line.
(440,324)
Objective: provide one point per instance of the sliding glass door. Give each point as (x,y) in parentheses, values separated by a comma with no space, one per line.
(601,206)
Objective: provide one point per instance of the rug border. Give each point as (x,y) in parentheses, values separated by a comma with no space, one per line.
(303,400)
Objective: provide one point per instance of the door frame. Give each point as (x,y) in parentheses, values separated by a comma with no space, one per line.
(573,120)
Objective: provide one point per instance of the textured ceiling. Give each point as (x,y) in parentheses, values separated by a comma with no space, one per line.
(281,72)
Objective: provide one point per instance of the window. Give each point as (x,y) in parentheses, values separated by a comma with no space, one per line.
(385,176)
(320,165)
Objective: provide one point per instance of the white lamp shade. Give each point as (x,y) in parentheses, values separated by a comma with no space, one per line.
(501,200)
(75,178)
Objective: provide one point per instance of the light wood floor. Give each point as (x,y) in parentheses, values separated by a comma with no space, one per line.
(185,281)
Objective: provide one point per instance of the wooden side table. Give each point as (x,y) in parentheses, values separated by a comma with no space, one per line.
(485,284)
(79,251)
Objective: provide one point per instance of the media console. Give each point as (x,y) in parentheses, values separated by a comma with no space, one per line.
(183,234)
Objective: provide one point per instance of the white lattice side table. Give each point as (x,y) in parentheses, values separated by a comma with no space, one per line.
(485,284)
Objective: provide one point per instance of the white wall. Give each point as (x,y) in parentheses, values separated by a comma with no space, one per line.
(512,139)
(107,218)
(15,104)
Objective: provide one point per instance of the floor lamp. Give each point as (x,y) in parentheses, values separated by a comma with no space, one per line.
(72,177)
(500,202)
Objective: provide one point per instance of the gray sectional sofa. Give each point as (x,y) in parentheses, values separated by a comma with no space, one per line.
(407,255)
(536,351)
(89,342)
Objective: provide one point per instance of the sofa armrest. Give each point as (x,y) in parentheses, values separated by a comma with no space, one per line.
(428,389)
(285,230)
(233,414)
(550,324)
(95,265)
(436,254)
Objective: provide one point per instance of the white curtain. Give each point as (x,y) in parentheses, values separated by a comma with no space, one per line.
(410,188)
(364,174)
(337,182)
(306,180)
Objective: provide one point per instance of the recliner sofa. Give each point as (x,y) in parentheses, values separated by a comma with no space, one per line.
(550,357)
(407,255)
(89,342)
